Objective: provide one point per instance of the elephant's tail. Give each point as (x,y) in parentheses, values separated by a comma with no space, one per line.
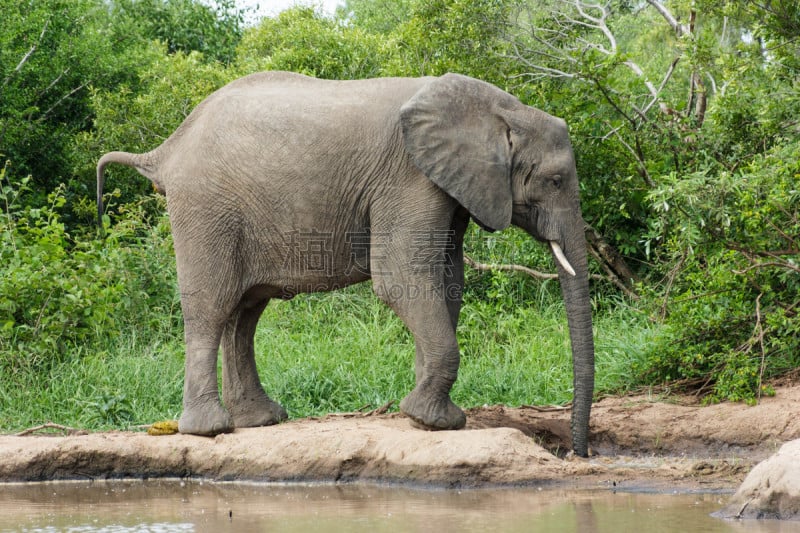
(143,163)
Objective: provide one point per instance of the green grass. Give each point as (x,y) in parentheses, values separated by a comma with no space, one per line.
(135,385)
(344,351)
(332,352)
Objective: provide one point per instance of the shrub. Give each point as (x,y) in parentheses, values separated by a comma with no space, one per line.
(732,276)
(62,295)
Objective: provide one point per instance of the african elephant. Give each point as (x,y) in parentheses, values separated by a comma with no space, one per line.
(280,183)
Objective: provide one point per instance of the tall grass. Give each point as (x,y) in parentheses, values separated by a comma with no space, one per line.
(327,353)
(347,351)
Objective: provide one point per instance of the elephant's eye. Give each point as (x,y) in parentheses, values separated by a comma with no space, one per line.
(556,181)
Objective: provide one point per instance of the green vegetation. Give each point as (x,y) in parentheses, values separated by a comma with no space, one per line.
(684,120)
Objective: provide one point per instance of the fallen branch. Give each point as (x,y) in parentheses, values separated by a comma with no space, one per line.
(611,261)
(548,408)
(499,267)
(380,410)
(26,56)
(490,267)
(754,266)
(49,425)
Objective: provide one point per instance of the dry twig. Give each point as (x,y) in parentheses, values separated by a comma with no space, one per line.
(49,425)
(380,410)
(488,267)
(548,408)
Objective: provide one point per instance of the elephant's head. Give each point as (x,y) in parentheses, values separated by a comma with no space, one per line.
(508,163)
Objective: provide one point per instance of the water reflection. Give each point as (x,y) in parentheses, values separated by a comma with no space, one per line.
(173,506)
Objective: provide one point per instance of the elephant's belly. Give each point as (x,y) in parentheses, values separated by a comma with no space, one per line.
(311,264)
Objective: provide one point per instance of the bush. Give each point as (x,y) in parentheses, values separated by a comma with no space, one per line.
(63,296)
(303,40)
(732,272)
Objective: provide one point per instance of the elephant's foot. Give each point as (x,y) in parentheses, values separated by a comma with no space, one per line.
(432,411)
(257,411)
(209,420)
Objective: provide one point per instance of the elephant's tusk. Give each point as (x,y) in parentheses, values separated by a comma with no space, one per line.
(559,253)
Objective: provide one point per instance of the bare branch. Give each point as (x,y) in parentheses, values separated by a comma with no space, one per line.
(487,267)
(48,425)
(614,104)
(54,82)
(380,410)
(598,23)
(664,81)
(58,102)
(27,55)
(545,71)
(755,266)
(611,261)
(636,157)
(639,72)
(680,29)
(495,267)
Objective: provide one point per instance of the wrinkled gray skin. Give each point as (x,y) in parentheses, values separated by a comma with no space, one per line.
(279,184)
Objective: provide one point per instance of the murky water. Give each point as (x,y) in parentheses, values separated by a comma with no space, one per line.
(174,506)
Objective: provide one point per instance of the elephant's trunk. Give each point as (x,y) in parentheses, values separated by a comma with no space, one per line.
(575,289)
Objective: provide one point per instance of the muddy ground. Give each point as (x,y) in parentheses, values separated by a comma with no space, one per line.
(642,441)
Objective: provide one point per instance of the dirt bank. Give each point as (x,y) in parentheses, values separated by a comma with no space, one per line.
(638,441)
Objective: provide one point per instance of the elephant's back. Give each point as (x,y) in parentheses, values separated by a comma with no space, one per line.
(287,95)
(274,118)
(298,83)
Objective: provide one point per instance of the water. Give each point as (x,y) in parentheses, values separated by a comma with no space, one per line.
(176,506)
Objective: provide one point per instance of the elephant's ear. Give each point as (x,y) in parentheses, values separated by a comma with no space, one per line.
(453,129)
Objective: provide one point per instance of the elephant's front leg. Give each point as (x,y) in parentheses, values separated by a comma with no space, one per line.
(242,393)
(429,404)
(425,312)
(452,271)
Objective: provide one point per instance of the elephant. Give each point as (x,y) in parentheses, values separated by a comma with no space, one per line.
(279,184)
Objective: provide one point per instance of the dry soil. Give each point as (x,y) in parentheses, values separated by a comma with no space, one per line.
(641,441)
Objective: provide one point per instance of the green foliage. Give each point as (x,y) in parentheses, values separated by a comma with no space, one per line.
(51,53)
(109,410)
(305,41)
(376,17)
(185,25)
(62,296)
(443,36)
(733,265)
(55,55)
(686,144)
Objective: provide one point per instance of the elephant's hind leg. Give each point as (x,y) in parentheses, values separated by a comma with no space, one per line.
(242,393)
(202,412)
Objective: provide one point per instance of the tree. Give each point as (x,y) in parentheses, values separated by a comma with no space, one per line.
(304,40)
(51,53)
(452,36)
(185,25)
(376,16)
(684,119)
